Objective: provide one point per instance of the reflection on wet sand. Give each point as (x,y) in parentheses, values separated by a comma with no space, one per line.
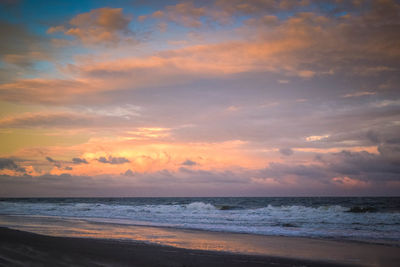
(300,248)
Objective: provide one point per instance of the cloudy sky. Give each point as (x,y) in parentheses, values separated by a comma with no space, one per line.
(199,98)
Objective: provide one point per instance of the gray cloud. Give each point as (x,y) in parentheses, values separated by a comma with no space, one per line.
(129,173)
(54,162)
(189,162)
(19,49)
(49,159)
(79,161)
(212,177)
(311,179)
(47,185)
(162,183)
(16,40)
(286,151)
(366,166)
(362,166)
(9,164)
(113,160)
(279,170)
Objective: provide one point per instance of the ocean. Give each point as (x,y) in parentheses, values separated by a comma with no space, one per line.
(370,219)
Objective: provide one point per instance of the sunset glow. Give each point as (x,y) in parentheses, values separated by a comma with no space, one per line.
(199,98)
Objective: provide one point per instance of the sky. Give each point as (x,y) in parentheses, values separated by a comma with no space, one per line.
(199,98)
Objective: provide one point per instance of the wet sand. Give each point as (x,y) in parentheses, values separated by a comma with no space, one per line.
(61,238)
(278,247)
(19,248)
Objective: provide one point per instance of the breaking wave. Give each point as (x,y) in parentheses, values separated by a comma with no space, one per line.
(289,220)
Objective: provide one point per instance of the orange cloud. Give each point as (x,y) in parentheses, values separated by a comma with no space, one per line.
(44,90)
(168,67)
(25,59)
(102,25)
(287,47)
(43,119)
(151,154)
(215,59)
(85,118)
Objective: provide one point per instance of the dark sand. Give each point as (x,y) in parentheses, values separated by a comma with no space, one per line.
(18,248)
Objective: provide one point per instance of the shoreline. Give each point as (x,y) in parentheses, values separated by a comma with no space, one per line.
(121,223)
(277,247)
(20,247)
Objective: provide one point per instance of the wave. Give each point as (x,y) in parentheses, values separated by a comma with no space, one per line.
(357,209)
(295,220)
(192,207)
(200,206)
(286,225)
(227,207)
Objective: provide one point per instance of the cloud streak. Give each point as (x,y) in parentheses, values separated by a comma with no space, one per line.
(113,160)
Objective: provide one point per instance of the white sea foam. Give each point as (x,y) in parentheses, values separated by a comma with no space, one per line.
(200,206)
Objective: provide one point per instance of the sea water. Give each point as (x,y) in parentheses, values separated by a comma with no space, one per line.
(354,218)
